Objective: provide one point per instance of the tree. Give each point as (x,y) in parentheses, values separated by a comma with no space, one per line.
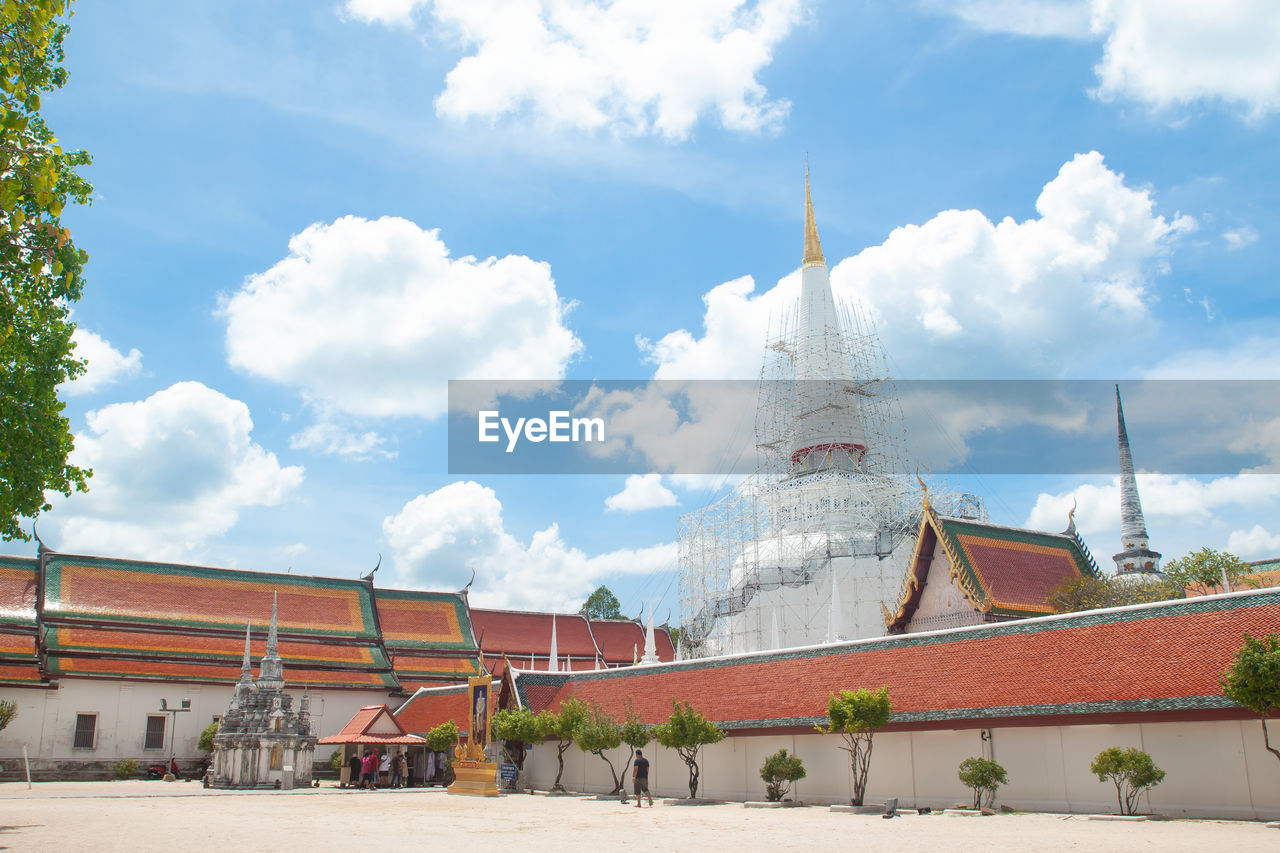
(856,715)
(8,710)
(984,776)
(40,266)
(597,733)
(206,737)
(1201,572)
(1253,680)
(1132,771)
(442,739)
(602,604)
(1090,593)
(778,772)
(686,731)
(561,725)
(635,734)
(518,730)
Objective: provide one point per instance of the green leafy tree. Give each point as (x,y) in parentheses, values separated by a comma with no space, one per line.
(562,725)
(206,737)
(1253,680)
(779,771)
(855,716)
(40,266)
(442,739)
(1090,593)
(8,710)
(1132,771)
(984,776)
(597,733)
(124,768)
(1201,572)
(686,731)
(517,729)
(602,604)
(335,760)
(635,734)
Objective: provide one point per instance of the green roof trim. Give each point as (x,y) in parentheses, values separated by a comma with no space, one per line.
(461,611)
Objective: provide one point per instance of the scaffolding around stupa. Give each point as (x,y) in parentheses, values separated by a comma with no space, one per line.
(811,546)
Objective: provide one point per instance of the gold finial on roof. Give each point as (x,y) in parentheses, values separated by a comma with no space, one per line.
(923,488)
(812,246)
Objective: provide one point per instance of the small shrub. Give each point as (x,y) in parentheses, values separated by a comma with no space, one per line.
(778,772)
(984,776)
(125,768)
(1132,771)
(335,760)
(206,737)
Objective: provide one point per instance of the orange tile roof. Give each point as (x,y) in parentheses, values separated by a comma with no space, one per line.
(147,670)
(18,577)
(429,707)
(1166,657)
(415,619)
(77,639)
(20,647)
(357,728)
(20,674)
(105,590)
(420,667)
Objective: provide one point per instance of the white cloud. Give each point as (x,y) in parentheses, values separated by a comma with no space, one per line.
(1254,544)
(626,66)
(1238,238)
(1255,357)
(1162,53)
(105,363)
(437,539)
(392,13)
(372,318)
(169,473)
(333,440)
(642,491)
(961,295)
(1183,513)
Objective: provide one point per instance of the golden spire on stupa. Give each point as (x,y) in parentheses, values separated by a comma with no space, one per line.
(812,246)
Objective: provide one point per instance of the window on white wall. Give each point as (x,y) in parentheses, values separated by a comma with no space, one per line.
(86,731)
(155,732)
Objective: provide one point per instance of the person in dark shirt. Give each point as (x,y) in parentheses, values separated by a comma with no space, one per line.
(640,777)
(353,774)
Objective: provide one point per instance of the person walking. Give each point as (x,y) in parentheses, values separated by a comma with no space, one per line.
(384,766)
(640,778)
(397,770)
(369,770)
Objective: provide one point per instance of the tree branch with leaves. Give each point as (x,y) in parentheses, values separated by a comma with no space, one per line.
(686,731)
(855,715)
(1253,680)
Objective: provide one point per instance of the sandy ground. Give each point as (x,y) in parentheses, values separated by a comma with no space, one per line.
(137,815)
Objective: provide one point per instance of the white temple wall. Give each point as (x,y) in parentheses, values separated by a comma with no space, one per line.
(46,719)
(1216,769)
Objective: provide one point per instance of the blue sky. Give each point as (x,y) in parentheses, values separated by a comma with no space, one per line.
(308,216)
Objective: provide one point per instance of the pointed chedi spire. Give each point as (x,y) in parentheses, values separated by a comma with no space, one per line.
(1135,556)
(812,245)
(271,670)
(553,660)
(650,641)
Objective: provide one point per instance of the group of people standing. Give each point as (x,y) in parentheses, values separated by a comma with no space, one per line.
(375,770)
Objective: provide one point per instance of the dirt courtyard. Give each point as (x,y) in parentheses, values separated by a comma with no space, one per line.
(154,815)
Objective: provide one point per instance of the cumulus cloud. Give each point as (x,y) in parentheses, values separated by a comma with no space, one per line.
(169,473)
(641,492)
(104,363)
(1254,544)
(438,539)
(333,440)
(626,66)
(963,295)
(1162,53)
(371,318)
(1253,357)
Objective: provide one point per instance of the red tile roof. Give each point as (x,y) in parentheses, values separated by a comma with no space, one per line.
(622,642)
(357,728)
(431,706)
(148,670)
(82,640)
(520,634)
(415,619)
(1166,657)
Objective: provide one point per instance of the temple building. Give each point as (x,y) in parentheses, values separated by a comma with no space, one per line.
(91,647)
(262,742)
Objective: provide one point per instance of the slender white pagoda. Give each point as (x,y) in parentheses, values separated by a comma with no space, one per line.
(1135,557)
